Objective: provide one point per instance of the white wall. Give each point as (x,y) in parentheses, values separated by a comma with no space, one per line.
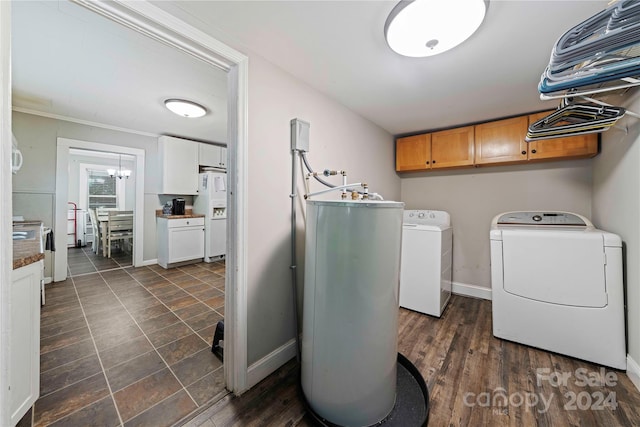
(34,184)
(339,139)
(474,196)
(616,208)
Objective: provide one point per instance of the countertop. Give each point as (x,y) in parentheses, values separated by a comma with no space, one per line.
(188,214)
(27,252)
(181,216)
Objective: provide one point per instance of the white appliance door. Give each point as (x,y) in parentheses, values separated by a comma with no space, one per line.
(218,230)
(218,189)
(419,271)
(555,266)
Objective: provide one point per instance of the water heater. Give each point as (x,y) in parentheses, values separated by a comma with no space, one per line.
(350,323)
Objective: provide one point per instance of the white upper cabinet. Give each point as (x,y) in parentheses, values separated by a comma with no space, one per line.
(212,156)
(179,165)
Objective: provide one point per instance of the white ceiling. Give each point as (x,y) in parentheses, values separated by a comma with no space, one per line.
(338,47)
(70,62)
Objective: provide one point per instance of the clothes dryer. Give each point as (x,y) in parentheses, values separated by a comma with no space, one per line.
(557,285)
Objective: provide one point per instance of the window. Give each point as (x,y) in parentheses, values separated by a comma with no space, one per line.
(96,189)
(102,190)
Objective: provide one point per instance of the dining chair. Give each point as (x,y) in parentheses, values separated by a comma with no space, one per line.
(97,235)
(119,228)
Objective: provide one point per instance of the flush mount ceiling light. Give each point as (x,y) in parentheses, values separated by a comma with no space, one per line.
(185,108)
(420,28)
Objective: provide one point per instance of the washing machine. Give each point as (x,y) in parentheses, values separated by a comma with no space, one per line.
(425,265)
(557,285)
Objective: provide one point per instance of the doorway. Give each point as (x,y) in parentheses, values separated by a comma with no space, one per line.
(147,19)
(64,149)
(99,182)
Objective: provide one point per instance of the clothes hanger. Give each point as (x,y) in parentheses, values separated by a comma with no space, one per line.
(602,48)
(574,119)
(609,29)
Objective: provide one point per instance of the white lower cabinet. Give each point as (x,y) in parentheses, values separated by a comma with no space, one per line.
(179,240)
(24,372)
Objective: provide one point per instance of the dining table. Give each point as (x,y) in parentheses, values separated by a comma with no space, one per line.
(103,221)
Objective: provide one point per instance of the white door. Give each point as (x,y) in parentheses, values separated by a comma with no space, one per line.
(218,232)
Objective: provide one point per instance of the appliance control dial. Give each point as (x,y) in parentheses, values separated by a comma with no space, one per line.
(537,218)
(421,215)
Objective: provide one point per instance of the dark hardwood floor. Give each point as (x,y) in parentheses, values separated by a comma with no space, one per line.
(473,378)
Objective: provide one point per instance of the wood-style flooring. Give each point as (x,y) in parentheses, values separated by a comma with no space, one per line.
(473,378)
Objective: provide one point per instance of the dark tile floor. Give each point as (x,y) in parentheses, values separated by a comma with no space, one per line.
(83,260)
(129,346)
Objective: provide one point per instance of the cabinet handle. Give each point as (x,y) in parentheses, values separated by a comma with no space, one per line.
(433,161)
(427,162)
(524,152)
(533,151)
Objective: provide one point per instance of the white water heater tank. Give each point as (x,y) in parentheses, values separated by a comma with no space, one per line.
(350,319)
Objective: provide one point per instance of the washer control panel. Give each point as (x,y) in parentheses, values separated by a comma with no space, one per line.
(543,218)
(426,217)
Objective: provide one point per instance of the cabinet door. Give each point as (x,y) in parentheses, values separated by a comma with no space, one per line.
(452,148)
(24,371)
(413,153)
(208,155)
(179,160)
(574,147)
(186,243)
(501,141)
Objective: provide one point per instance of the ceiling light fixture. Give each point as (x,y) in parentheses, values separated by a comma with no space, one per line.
(120,172)
(185,108)
(419,28)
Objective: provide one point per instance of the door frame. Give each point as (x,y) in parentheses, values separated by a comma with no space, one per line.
(6,211)
(148,19)
(62,197)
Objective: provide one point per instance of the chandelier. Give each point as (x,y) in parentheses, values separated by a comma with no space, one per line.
(120,173)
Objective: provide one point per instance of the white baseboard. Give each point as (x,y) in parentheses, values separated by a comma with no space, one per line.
(474,291)
(633,372)
(269,363)
(48,280)
(149,262)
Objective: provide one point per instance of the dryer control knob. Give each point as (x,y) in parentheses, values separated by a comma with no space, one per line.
(421,215)
(536,218)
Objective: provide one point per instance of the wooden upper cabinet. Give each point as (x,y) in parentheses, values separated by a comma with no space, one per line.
(452,148)
(413,153)
(579,146)
(486,144)
(501,141)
